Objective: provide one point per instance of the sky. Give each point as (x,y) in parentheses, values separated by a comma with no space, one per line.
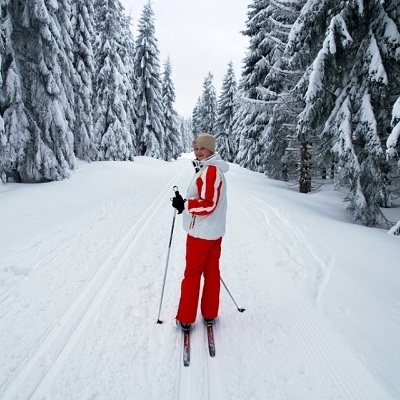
(198,36)
(81,272)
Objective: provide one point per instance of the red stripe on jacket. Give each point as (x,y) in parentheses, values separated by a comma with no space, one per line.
(209,186)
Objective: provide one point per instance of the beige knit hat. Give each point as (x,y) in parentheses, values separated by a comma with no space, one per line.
(205,140)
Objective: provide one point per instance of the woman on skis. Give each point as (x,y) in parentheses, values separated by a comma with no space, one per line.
(204,220)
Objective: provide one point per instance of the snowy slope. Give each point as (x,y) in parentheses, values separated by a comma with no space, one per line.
(82,263)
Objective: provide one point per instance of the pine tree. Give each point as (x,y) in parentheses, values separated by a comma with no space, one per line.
(208,106)
(185,127)
(247,136)
(173,140)
(280,152)
(128,57)
(69,75)
(196,118)
(238,123)
(225,116)
(389,36)
(83,28)
(259,47)
(113,126)
(393,141)
(150,123)
(248,126)
(3,141)
(14,134)
(42,44)
(315,99)
(268,27)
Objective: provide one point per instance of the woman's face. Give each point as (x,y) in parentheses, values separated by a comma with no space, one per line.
(201,153)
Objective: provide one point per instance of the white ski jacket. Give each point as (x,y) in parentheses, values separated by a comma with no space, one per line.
(205,207)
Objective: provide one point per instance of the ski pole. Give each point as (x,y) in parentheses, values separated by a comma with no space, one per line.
(226,287)
(167,262)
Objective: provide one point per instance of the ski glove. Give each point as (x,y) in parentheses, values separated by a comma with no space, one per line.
(178,202)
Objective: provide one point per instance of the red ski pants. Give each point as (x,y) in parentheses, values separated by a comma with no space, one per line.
(202,258)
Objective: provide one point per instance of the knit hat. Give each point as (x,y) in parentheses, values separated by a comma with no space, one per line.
(205,140)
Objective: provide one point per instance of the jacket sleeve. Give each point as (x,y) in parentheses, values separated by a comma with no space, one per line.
(209,185)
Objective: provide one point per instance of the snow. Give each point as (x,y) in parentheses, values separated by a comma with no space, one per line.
(376,70)
(395,134)
(82,265)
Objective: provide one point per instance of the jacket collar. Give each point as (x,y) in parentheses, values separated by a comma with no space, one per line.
(198,165)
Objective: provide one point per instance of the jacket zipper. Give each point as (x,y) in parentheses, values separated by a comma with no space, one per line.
(192,222)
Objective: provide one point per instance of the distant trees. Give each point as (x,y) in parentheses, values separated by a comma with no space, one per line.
(205,112)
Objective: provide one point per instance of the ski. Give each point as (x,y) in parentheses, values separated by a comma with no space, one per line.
(210,338)
(186,347)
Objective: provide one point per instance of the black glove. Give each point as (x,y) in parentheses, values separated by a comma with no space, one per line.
(178,202)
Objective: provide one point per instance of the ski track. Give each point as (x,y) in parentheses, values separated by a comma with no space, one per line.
(184,373)
(203,378)
(32,377)
(215,377)
(53,255)
(321,366)
(323,260)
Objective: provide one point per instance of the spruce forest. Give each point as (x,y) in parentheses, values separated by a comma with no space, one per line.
(318,100)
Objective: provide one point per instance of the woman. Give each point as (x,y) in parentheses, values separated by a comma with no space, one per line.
(204,219)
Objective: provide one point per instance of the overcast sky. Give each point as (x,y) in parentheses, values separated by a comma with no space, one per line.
(199,36)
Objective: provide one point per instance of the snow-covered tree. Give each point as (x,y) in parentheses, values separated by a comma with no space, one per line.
(185,127)
(393,141)
(150,117)
(206,112)
(255,65)
(14,134)
(173,139)
(249,124)
(225,116)
(128,57)
(83,33)
(315,90)
(196,118)
(238,121)
(393,156)
(2,151)
(113,125)
(265,82)
(389,32)
(42,46)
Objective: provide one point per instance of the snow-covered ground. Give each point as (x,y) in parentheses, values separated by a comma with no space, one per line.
(81,271)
